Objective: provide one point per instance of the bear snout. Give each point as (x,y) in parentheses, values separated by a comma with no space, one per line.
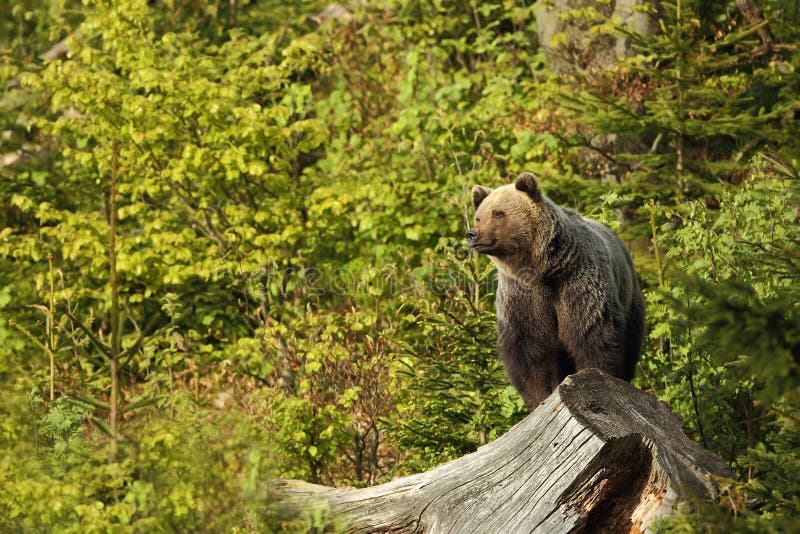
(471,235)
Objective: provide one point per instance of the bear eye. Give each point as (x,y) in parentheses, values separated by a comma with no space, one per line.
(477,220)
(496,214)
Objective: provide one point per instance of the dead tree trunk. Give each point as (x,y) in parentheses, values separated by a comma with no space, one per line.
(598,455)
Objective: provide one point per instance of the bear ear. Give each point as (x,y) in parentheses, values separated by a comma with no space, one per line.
(478,194)
(526,182)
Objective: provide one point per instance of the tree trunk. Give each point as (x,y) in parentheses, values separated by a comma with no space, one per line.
(598,455)
(571,42)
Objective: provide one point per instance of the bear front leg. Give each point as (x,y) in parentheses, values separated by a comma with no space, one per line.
(591,327)
(531,363)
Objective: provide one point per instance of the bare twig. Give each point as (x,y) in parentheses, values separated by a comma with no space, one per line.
(60,49)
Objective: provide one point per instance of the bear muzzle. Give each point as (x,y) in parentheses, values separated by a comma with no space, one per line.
(474,240)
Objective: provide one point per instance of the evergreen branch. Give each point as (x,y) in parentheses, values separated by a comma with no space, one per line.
(27,333)
(142,335)
(148,401)
(95,341)
(83,400)
(103,426)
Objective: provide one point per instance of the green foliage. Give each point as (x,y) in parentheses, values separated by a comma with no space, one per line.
(459,397)
(336,387)
(63,426)
(726,327)
(678,118)
(163,483)
(288,297)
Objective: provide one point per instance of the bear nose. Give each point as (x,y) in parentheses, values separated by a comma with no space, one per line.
(471,234)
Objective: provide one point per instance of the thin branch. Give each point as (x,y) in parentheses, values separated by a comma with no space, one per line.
(95,341)
(60,49)
(144,333)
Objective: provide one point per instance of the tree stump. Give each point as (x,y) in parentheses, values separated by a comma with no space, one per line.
(599,455)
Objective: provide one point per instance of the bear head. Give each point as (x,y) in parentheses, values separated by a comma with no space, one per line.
(507,219)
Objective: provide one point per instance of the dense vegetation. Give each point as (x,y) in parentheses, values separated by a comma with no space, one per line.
(231,245)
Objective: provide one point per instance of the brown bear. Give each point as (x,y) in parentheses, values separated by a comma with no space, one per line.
(567,297)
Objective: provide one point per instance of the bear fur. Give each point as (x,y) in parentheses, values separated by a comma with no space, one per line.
(567,297)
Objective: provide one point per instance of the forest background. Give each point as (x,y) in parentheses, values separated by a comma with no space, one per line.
(231,245)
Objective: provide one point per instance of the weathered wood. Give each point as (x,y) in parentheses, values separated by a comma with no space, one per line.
(598,455)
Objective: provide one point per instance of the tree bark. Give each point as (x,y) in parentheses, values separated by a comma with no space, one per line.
(752,15)
(571,43)
(598,455)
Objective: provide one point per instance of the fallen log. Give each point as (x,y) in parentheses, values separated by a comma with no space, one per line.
(599,455)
